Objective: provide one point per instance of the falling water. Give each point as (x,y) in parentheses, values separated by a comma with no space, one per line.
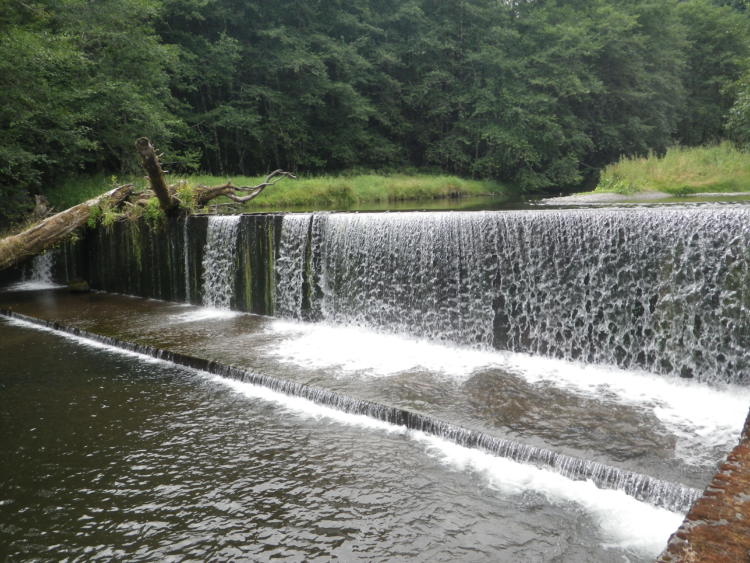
(36,274)
(41,269)
(219,261)
(290,265)
(664,289)
(659,289)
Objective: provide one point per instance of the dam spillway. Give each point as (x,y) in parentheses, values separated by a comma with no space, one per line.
(662,290)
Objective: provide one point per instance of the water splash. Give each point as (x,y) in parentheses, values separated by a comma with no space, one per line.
(39,275)
(664,290)
(220,261)
(702,417)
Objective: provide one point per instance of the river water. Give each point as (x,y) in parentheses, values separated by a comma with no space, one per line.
(118,455)
(114,456)
(606,349)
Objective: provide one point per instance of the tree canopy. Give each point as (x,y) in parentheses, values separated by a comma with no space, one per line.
(538,93)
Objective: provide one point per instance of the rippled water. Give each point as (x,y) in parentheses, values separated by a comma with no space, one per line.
(111,456)
(665,427)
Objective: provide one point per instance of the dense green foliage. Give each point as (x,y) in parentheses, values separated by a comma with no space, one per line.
(534,93)
(681,171)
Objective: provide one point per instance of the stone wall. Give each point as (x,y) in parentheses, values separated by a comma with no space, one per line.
(717,527)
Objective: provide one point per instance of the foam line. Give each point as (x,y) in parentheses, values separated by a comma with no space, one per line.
(672,496)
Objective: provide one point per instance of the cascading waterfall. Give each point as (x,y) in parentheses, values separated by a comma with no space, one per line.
(665,290)
(669,495)
(41,268)
(220,261)
(290,265)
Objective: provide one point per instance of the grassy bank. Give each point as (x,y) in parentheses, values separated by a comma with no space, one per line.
(681,171)
(306,192)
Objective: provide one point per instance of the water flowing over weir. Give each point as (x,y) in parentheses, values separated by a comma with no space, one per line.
(219,261)
(41,268)
(669,495)
(666,290)
(663,289)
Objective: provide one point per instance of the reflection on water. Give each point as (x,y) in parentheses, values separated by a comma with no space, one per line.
(110,457)
(498,202)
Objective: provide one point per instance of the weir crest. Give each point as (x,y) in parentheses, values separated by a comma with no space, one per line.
(664,290)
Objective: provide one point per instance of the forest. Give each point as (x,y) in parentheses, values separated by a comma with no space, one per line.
(539,94)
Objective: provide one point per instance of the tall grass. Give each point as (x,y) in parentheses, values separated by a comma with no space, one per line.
(307,192)
(74,190)
(363,188)
(681,171)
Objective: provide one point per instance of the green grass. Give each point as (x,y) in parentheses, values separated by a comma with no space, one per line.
(77,189)
(364,188)
(305,192)
(681,171)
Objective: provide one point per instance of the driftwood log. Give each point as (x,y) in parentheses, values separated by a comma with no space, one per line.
(57,228)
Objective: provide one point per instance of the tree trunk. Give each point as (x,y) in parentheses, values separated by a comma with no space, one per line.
(150,162)
(55,229)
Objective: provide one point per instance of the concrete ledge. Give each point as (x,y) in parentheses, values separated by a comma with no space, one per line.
(717,527)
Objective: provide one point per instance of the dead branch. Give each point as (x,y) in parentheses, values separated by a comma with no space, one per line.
(150,162)
(204,194)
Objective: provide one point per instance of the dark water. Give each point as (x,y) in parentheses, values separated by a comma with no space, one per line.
(111,457)
(668,428)
(473,203)
(496,202)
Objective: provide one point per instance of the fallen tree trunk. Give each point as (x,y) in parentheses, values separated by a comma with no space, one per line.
(55,229)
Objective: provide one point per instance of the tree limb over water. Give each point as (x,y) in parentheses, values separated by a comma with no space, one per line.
(55,229)
(204,194)
(123,203)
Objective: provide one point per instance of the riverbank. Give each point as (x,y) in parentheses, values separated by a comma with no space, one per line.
(680,172)
(306,192)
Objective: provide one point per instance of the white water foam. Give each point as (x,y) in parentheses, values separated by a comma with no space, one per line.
(623,521)
(40,277)
(701,416)
(204,314)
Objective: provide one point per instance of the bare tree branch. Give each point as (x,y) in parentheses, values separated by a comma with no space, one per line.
(205,194)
